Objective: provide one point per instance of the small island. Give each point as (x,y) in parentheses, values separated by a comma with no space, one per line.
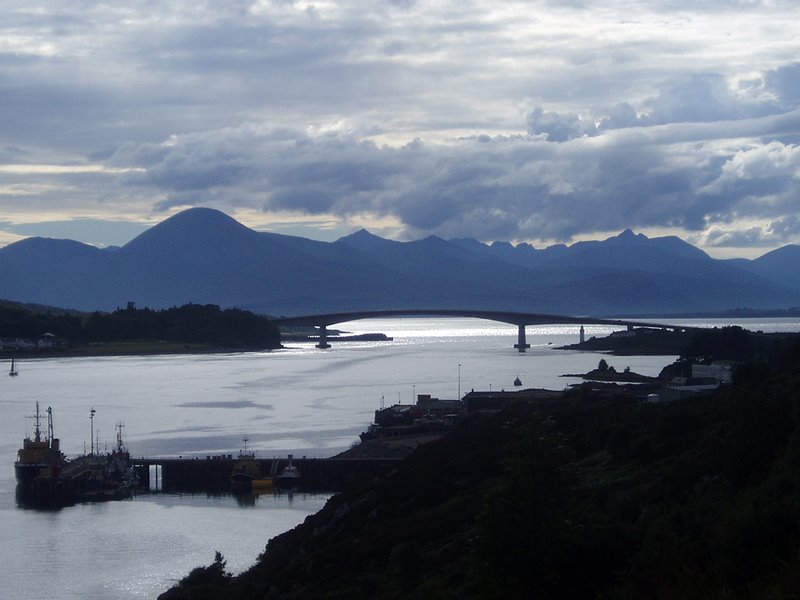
(608,374)
(311,334)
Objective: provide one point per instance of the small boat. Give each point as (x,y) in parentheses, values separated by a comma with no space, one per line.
(246,473)
(517,382)
(13,372)
(289,477)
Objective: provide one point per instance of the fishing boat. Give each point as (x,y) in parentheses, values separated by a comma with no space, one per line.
(41,455)
(13,372)
(246,473)
(45,475)
(289,477)
(104,476)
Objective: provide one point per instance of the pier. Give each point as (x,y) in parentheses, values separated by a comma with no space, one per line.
(212,473)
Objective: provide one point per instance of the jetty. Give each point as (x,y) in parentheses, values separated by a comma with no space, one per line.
(212,473)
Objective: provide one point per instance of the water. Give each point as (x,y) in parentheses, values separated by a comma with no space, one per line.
(299,400)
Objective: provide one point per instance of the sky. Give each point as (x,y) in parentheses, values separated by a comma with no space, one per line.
(548,121)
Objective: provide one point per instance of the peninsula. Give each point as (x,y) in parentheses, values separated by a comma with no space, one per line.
(31,331)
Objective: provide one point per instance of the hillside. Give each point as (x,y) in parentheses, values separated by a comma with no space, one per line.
(588,496)
(203,256)
(132,330)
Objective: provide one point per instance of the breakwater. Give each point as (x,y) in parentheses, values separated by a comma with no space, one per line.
(212,473)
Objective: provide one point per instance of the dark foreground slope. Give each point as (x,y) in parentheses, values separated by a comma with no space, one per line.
(584,497)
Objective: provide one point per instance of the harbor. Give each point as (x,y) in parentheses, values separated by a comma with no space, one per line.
(196,408)
(213,473)
(45,476)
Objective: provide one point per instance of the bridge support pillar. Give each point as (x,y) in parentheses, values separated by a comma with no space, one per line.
(521,345)
(323,337)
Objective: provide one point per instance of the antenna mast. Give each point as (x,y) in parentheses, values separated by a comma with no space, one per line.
(37,431)
(91,434)
(120,446)
(50,434)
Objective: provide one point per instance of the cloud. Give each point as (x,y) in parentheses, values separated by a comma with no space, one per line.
(559,128)
(703,98)
(521,187)
(97,232)
(785,83)
(520,121)
(754,236)
(775,162)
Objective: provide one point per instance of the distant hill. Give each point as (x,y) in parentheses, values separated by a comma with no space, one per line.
(781,265)
(206,327)
(203,256)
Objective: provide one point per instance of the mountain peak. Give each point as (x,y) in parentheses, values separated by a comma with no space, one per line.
(194,224)
(629,236)
(200,217)
(361,234)
(364,241)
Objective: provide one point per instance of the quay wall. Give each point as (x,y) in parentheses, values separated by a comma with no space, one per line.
(212,473)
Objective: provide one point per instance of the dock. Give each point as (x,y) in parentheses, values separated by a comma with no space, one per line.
(212,473)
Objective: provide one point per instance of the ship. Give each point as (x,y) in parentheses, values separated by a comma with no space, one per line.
(45,475)
(40,456)
(104,476)
(246,473)
(289,477)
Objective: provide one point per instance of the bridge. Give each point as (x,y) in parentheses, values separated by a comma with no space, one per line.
(323,321)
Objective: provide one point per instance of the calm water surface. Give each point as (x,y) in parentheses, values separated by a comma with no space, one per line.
(300,400)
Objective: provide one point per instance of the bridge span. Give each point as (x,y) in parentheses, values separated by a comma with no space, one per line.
(323,321)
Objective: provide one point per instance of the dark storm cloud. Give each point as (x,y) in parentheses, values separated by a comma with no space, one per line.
(506,188)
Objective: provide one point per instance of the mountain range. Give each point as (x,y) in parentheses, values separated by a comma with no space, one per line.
(204,256)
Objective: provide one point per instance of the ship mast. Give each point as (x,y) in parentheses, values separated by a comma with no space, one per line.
(120,446)
(50,434)
(91,426)
(37,431)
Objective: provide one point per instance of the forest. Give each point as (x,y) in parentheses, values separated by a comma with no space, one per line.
(205,324)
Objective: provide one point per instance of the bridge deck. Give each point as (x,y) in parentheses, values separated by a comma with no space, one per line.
(513,318)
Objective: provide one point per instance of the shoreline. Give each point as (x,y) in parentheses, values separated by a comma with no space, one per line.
(127,349)
(147,348)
